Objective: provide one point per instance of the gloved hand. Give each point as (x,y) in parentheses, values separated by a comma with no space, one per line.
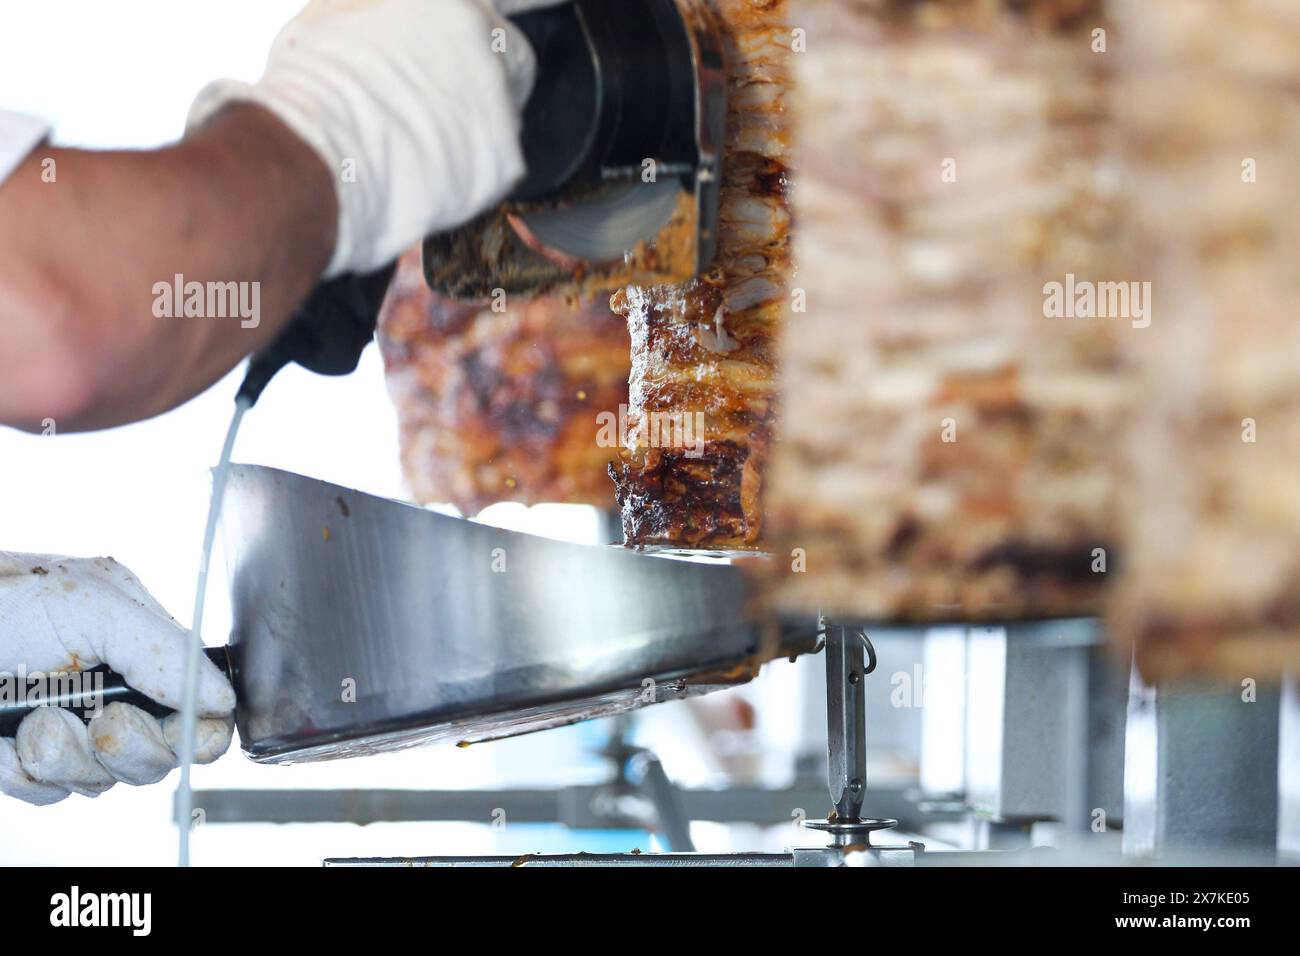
(62,615)
(414,105)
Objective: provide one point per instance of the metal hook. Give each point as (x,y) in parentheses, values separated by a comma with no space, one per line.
(871,651)
(861,633)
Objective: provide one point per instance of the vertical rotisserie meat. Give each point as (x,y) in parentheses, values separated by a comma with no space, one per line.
(945,442)
(703,372)
(502,406)
(1210,120)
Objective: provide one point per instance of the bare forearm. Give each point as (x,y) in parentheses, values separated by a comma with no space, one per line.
(92,331)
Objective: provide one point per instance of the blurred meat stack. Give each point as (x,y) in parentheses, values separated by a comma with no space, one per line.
(1210,117)
(945,441)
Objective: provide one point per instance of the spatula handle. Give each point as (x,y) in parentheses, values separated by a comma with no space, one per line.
(98,687)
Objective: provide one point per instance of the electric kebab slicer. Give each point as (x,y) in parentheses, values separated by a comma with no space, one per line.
(623,141)
(622,136)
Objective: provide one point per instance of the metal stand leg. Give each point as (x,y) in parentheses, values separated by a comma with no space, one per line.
(674,824)
(638,771)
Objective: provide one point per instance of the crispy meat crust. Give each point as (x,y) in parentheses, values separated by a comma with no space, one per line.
(702,351)
(691,502)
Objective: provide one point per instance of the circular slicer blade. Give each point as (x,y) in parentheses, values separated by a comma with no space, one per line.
(606,224)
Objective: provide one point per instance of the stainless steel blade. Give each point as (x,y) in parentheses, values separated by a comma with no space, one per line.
(362,623)
(608,223)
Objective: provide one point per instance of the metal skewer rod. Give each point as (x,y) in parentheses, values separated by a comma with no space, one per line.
(849,659)
(846,721)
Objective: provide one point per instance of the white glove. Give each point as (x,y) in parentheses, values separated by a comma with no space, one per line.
(413,105)
(65,615)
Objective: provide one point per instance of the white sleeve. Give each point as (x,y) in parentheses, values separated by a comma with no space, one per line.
(19,135)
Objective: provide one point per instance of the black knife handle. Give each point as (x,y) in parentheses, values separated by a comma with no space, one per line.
(114,689)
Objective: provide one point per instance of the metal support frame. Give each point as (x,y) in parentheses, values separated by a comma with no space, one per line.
(1202,768)
(579,807)
(1043,725)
